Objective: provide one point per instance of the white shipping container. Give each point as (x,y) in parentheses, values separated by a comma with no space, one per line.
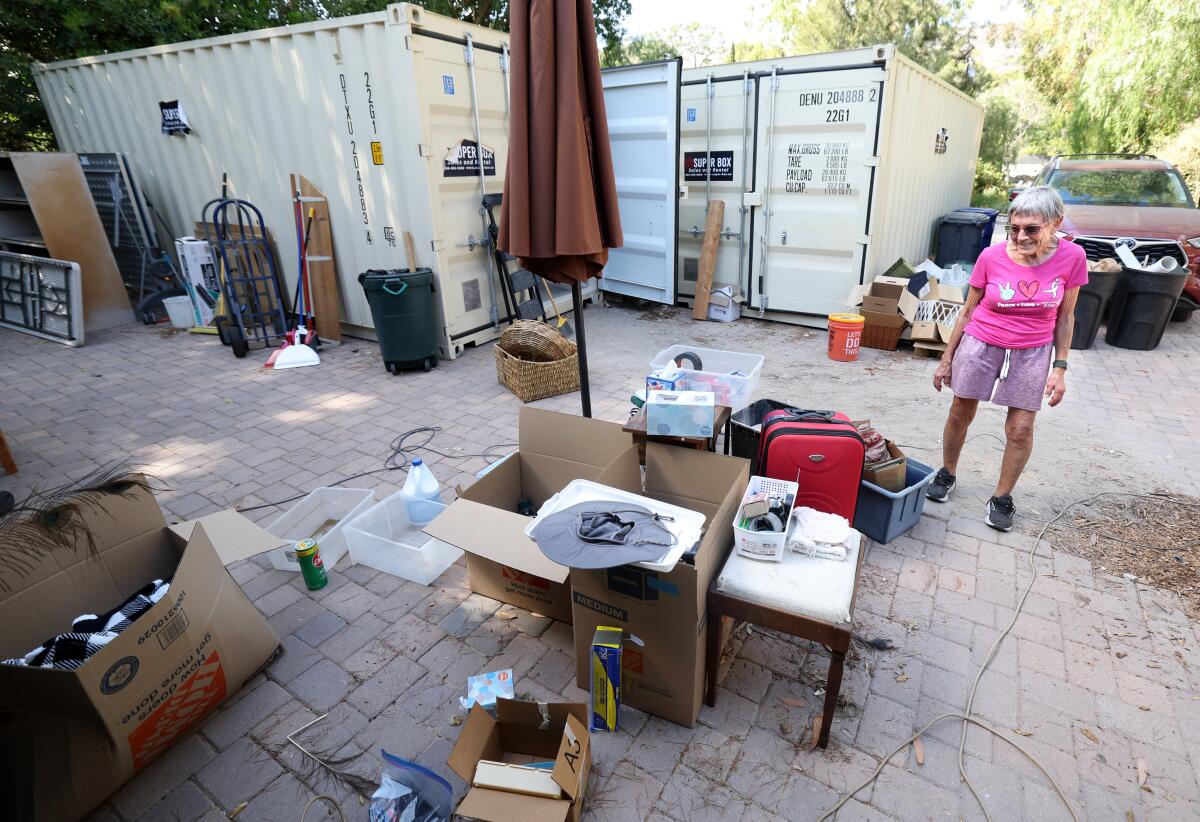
(381,112)
(830,165)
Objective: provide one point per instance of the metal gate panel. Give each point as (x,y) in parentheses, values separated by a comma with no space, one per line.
(642,104)
(814,179)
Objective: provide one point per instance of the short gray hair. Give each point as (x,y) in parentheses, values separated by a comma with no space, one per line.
(1038,201)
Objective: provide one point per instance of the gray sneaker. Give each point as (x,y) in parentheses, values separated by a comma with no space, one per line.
(1000,513)
(939,490)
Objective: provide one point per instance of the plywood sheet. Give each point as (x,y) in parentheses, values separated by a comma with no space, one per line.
(70,226)
(708,258)
(322,267)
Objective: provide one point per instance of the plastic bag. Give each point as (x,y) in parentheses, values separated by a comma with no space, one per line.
(409,792)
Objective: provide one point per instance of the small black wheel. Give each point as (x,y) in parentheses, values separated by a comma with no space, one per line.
(427,364)
(238,343)
(222,324)
(391,368)
(148,318)
(1182,313)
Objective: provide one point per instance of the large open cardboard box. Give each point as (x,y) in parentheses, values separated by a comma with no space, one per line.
(667,612)
(503,563)
(71,738)
(521,733)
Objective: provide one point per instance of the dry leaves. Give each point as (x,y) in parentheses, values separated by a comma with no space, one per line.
(816,733)
(507,614)
(902,677)
(1143,773)
(958,582)
(793,703)
(1090,735)
(1022,732)
(1122,654)
(456,720)
(919,751)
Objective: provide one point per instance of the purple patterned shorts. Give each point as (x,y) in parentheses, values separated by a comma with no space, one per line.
(979,372)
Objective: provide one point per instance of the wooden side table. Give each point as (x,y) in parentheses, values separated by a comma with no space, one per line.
(721,425)
(6,459)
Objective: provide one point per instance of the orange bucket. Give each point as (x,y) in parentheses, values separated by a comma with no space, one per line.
(845,335)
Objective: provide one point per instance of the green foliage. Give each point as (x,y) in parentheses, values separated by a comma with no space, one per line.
(1122,76)
(49,30)
(991,185)
(933,33)
(1183,150)
(641,49)
(1001,132)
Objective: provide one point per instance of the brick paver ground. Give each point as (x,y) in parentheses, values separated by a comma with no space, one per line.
(1098,674)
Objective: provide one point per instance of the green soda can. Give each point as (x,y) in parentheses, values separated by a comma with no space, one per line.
(311,567)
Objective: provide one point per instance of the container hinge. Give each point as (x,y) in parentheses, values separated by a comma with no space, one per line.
(412,43)
(752,198)
(504,58)
(683,192)
(871,161)
(436,245)
(863,239)
(424,150)
(748,85)
(469,51)
(775,82)
(712,88)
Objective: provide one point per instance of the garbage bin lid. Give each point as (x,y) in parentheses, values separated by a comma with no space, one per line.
(969,217)
(417,277)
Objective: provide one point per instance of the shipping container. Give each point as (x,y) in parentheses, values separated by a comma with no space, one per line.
(830,166)
(382,112)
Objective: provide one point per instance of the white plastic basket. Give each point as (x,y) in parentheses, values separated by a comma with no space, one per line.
(763,545)
(731,376)
(936,311)
(384,538)
(321,516)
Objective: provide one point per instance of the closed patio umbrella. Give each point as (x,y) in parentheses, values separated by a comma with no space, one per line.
(559,214)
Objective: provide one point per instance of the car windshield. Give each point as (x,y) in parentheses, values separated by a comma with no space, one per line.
(1121,188)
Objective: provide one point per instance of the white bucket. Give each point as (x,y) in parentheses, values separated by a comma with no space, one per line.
(179,309)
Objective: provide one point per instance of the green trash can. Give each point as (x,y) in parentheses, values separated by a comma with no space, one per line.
(405,315)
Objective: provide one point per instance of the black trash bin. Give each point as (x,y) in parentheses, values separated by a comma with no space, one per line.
(1089,308)
(405,315)
(1142,304)
(746,425)
(959,237)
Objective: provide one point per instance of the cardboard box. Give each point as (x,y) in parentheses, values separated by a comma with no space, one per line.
(668,612)
(885,295)
(200,275)
(71,738)
(503,563)
(725,304)
(890,477)
(892,320)
(666,379)
(519,734)
(680,413)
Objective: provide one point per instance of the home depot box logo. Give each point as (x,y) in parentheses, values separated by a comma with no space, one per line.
(195,697)
(522,578)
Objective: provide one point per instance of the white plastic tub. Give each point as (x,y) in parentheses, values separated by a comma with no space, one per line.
(179,309)
(730,375)
(385,539)
(764,545)
(322,516)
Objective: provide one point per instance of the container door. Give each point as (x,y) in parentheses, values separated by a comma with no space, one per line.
(716,136)
(815,170)
(643,125)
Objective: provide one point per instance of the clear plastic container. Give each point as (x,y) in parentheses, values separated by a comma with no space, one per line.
(384,538)
(321,516)
(731,376)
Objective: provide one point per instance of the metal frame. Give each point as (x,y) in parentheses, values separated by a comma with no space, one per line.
(38,295)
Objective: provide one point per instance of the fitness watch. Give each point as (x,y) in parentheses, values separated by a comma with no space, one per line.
(1060,364)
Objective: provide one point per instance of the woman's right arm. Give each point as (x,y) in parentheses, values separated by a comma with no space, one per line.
(942,375)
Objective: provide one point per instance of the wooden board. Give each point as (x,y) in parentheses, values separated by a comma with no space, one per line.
(410,250)
(322,267)
(708,258)
(71,229)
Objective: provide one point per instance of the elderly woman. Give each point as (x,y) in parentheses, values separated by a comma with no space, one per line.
(1020,307)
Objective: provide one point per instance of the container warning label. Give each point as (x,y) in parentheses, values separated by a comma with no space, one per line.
(695,166)
(463,161)
(192,700)
(377,152)
(817,167)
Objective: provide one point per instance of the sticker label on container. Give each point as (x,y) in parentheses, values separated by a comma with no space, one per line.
(174,118)
(817,167)
(691,115)
(695,166)
(463,161)
(448,84)
(377,153)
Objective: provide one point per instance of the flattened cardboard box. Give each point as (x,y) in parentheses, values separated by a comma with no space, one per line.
(503,563)
(668,612)
(71,738)
(523,732)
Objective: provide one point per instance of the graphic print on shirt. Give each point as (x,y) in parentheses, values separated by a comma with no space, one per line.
(1029,291)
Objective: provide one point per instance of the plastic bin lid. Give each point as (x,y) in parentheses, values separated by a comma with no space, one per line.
(376,277)
(969,217)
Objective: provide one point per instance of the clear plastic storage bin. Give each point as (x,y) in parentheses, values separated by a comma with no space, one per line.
(730,375)
(385,539)
(321,516)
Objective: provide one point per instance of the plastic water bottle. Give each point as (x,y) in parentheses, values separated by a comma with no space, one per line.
(421,489)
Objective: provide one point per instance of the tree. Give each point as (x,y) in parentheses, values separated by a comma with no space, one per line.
(1122,76)
(931,32)
(643,49)
(49,30)
(1001,132)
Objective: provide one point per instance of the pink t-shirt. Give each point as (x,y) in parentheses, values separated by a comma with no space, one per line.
(1020,303)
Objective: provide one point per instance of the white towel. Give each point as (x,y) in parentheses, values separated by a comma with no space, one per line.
(818,534)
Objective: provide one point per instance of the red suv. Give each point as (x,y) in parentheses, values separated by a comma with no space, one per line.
(1136,199)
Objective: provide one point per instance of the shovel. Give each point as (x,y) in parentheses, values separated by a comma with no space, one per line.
(561,323)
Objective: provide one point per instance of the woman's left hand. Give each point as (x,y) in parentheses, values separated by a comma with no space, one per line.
(1056,387)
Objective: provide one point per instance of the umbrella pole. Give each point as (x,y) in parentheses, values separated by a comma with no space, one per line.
(585,390)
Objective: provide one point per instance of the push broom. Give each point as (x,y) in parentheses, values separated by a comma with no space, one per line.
(298,354)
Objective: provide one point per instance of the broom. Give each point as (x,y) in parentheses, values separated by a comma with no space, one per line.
(563,327)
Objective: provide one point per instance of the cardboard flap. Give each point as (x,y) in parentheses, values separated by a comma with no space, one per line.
(856,295)
(502,806)
(233,536)
(478,739)
(571,762)
(589,441)
(462,523)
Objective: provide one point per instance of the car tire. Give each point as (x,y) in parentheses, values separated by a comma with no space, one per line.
(1182,313)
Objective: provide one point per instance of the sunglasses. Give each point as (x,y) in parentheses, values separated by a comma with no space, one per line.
(1031,231)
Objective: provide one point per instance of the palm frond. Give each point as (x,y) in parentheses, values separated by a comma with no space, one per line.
(51,520)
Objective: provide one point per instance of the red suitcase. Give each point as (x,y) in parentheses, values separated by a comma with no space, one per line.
(820,451)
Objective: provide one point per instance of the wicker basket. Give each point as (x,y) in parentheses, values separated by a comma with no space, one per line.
(881,337)
(534,361)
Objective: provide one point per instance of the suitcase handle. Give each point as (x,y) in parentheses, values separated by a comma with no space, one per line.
(802,415)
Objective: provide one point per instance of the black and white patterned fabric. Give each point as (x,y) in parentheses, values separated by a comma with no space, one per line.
(91,632)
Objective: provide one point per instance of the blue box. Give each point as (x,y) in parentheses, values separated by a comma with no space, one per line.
(680,413)
(605,676)
(884,515)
